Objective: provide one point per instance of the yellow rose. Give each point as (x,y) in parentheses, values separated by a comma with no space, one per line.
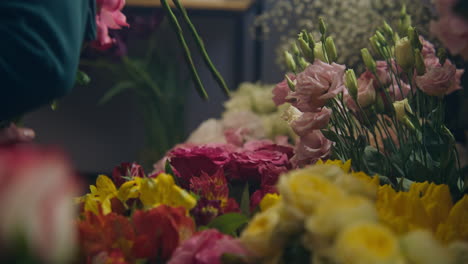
(303,190)
(367,243)
(333,215)
(260,235)
(420,247)
(269,200)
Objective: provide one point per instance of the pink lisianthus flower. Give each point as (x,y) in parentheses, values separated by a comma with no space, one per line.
(37,187)
(440,80)
(109,15)
(282,90)
(309,121)
(310,148)
(207,247)
(317,84)
(451,29)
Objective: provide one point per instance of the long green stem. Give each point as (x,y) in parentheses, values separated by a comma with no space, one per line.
(201,46)
(188,56)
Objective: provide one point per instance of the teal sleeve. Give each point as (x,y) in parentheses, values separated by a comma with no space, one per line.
(40,43)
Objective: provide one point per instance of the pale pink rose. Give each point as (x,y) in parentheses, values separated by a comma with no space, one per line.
(207,247)
(282,90)
(366,92)
(309,121)
(317,84)
(451,29)
(311,148)
(37,188)
(250,122)
(109,15)
(440,80)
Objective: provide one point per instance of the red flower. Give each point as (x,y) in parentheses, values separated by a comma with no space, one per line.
(160,231)
(105,233)
(212,187)
(126,170)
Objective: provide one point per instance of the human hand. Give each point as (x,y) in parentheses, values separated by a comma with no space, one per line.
(14,134)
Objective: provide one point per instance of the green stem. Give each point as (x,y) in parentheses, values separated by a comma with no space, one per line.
(188,56)
(201,46)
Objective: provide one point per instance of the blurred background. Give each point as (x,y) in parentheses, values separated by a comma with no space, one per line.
(120,117)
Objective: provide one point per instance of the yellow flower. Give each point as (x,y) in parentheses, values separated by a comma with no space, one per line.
(367,243)
(100,196)
(345,166)
(420,247)
(334,215)
(269,200)
(130,189)
(302,190)
(425,206)
(260,235)
(163,190)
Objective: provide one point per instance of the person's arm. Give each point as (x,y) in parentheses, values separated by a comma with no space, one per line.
(40,43)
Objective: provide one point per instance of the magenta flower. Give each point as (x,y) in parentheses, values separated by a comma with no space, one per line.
(207,247)
(317,84)
(190,162)
(205,211)
(109,15)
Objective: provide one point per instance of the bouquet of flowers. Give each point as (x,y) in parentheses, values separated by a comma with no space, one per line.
(389,121)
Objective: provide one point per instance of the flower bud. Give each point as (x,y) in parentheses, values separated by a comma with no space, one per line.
(290,63)
(401,109)
(291,84)
(419,62)
(322,26)
(442,55)
(351,83)
(331,49)
(413,35)
(295,50)
(387,29)
(404,23)
(303,63)
(368,60)
(318,52)
(404,54)
(375,45)
(380,37)
(307,51)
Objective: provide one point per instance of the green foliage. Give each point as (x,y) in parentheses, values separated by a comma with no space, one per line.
(229,223)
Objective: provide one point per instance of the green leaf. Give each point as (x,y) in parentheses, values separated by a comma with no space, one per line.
(330,135)
(229,223)
(115,90)
(374,160)
(82,78)
(168,168)
(245,200)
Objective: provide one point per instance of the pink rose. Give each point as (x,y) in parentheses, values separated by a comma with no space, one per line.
(366,92)
(207,247)
(428,49)
(282,90)
(309,121)
(37,187)
(311,148)
(451,29)
(440,80)
(109,15)
(398,90)
(317,84)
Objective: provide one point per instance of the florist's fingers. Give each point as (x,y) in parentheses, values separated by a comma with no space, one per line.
(13,134)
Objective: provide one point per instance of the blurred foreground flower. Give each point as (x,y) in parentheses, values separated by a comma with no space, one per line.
(37,187)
